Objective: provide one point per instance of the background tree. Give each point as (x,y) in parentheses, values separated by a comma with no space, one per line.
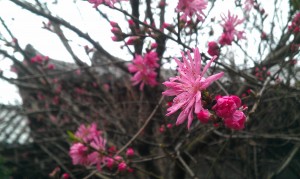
(103,116)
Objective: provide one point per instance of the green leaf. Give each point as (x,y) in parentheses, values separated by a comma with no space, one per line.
(72,137)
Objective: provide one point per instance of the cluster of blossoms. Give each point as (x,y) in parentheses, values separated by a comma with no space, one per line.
(39,59)
(229,31)
(192,98)
(228,108)
(261,73)
(116,30)
(191,7)
(90,150)
(295,26)
(107,2)
(187,87)
(144,69)
(42,60)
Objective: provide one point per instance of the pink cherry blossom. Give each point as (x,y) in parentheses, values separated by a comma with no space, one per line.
(295,26)
(236,121)
(226,105)
(187,87)
(228,108)
(191,7)
(144,70)
(97,157)
(87,133)
(229,31)
(79,154)
(151,59)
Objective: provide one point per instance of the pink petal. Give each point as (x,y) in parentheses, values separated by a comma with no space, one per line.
(211,79)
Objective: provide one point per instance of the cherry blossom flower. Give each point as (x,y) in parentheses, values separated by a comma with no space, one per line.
(236,121)
(229,31)
(191,7)
(144,69)
(151,59)
(187,87)
(295,26)
(79,154)
(91,149)
(87,133)
(97,156)
(227,107)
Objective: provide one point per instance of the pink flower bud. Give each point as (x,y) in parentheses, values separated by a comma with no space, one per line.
(113,24)
(122,166)
(112,149)
(118,158)
(131,23)
(51,66)
(162,129)
(236,121)
(154,45)
(263,36)
(114,38)
(169,126)
(166,25)
(132,40)
(169,104)
(162,4)
(213,49)
(109,162)
(116,30)
(130,170)
(204,116)
(130,152)
(14,40)
(226,106)
(65,176)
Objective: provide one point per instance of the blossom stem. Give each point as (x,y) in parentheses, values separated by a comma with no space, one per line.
(142,128)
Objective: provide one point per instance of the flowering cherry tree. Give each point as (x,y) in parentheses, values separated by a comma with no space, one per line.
(201,92)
